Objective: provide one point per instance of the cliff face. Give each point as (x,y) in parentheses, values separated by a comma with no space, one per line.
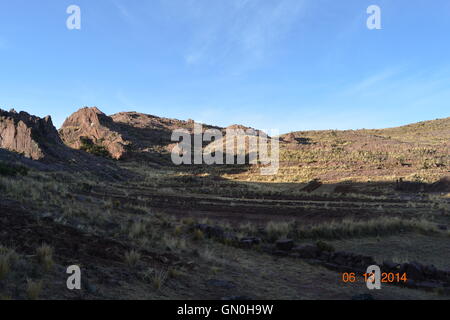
(29,135)
(90,124)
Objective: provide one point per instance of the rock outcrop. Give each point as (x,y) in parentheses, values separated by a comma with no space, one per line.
(90,127)
(31,136)
(125,134)
(35,143)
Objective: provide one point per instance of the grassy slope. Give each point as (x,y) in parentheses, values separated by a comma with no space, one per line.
(417,152)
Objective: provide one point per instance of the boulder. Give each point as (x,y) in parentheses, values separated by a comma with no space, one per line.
(285,245)
(307,251)
(249,242)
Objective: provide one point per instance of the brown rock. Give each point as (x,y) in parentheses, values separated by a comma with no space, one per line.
(28,135)
(34,142)
(92,124)
(125,134)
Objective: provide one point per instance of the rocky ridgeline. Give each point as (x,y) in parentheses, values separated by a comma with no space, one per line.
(129,134)
(420,276)
(35,143)
(31,136)
(123,135)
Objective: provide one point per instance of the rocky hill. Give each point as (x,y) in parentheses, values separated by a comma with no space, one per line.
(124,135)
(89,127)
(35,143)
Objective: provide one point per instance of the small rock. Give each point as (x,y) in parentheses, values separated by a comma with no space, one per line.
(285,245)
(307,251)
(249,242)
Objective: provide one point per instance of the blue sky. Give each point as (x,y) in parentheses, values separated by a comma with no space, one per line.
(271,64)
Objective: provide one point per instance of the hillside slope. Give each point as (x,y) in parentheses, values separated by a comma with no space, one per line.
(419,152)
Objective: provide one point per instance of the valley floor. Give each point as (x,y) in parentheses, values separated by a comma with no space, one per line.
(175,234)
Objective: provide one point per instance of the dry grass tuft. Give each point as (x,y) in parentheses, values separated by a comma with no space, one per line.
(132,258)
(34,289)
(44,256)
(159,278)
(4,266)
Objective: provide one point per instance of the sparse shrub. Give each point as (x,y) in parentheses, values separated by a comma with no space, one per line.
(159,277)
(208,254)
(178,231)
(115,204)
(249,228)
(188,221)
(4,266)
(172,242)
(174,273)
(44,256)
(132,258)
(198,235)
(277,230)
(137,230)
(215,270)
(34,289)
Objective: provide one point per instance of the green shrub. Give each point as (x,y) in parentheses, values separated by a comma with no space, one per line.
(92,148)
(12,170)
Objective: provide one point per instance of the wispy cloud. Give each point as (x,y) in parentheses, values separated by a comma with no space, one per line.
(373,81)
(125,13)
(241,30)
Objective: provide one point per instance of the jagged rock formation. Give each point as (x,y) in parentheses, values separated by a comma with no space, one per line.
(125,134)
(34,137)
(90,124)
(35,143)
